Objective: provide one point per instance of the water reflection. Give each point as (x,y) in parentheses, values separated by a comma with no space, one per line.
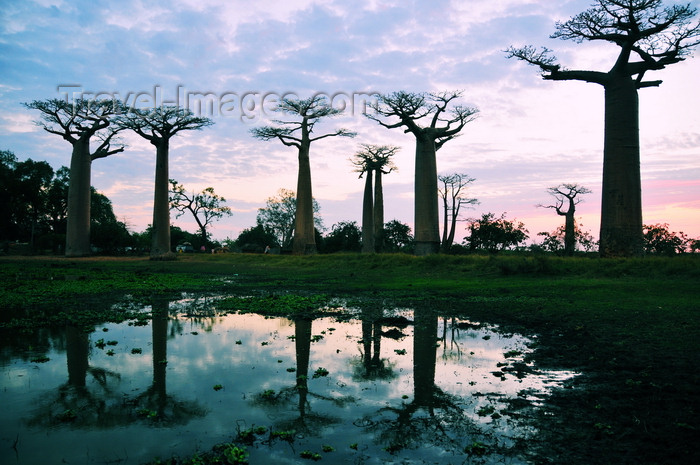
(391,386)
(155,403)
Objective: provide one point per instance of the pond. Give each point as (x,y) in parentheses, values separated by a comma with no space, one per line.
(383,385)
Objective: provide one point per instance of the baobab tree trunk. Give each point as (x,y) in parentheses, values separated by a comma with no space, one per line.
(304,238)
(160,241)
(569,232)
(621,209)
(424,356)
(378,213)
(427,221)
(368,216)
(78,215)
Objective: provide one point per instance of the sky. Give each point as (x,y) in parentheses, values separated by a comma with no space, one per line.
(231,60)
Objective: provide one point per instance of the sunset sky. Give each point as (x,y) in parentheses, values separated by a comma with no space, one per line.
(531,134)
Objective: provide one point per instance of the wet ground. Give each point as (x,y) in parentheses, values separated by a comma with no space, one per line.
(379,385)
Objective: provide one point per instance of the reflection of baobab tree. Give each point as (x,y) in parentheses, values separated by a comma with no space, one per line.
(433,417)
(450,349)
(155,401)
(74,402)
(198,311)
(372,366)
(305,421)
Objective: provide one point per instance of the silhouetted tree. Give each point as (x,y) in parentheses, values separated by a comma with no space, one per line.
(206,206)
(494,234)
(451,190)
(374,160)
(650,37)
(23,188)
(344,237)
(255,239)
(78,122)
(398,237)
(297,133)
(442,125)
(658,239)
(567,193)
(158,126)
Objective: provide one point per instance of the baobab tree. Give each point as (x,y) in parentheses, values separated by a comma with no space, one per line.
(650,37)
(205,206)
(373,160)
(406,109)
(298,133)
(78,122)
(158,125)
(567,193)
(452,188)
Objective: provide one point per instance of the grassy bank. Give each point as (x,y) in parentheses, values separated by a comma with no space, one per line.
(629,326)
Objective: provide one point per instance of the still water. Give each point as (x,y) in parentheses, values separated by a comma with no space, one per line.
(409,388)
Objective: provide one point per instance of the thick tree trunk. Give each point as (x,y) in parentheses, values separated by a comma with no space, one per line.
(621,209)
(424,356)
(78,215)
(378,213)
(569,233)
(427,218)
(304,238)
(160,241)
(302,345)
(368,216)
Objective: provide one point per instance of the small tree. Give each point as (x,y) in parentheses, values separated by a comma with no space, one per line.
(658,239)
(567,193)
(374,161)
(78,123)
(297,133)
(205,206)
(279,215)
(256,239)
(494,234)
(398,237)
(344,237)
(158,126)
(452,189)
(443,122)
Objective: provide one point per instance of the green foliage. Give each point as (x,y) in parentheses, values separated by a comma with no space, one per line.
(397,237)
(344,237)
(554,241)
(659,240)
(256,239)
(35,208)
(277,217)
(494,234)
(205,206)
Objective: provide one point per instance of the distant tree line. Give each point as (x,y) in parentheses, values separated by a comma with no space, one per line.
(35,213)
